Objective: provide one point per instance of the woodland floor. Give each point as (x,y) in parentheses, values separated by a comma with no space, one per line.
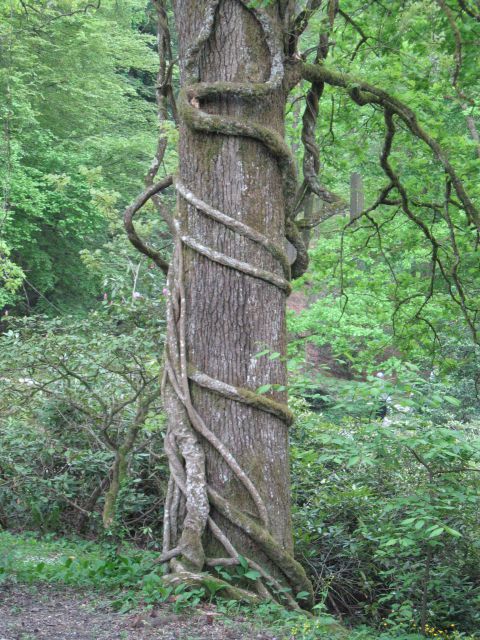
(50,612)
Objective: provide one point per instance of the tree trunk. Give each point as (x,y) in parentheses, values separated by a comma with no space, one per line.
(119,470)
(356,195)
(85,515)
(229,313)
(119,473)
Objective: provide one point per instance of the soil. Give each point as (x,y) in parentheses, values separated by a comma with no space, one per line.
(50,612)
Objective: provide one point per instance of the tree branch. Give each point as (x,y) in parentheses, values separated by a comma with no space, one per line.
(364,93)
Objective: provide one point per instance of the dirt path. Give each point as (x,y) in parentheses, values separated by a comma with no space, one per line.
(47,612)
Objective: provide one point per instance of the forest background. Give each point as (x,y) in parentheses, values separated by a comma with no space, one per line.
(383,350)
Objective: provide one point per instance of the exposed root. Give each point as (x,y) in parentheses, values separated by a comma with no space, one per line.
(210,583)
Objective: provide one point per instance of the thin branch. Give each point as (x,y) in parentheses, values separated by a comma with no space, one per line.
(469,11)
(301,23)
(84,10)
(364,93)
(358,29)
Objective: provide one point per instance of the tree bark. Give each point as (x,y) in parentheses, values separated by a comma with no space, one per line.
(90,504)
(119,473)
(229,316)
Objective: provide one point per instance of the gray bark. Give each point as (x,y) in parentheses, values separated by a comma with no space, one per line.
(231,316)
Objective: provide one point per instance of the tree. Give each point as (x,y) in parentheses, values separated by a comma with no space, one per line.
(62,176)
(228,496)
(228,280)
(227,446)
(100,383)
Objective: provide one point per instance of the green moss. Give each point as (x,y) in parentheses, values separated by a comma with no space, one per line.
(119,474)
(194,557)
(267,404)
(212,149)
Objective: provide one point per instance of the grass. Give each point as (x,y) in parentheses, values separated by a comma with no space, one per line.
(133,580)
(130,574)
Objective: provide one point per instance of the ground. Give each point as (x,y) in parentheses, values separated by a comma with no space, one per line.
(55,612)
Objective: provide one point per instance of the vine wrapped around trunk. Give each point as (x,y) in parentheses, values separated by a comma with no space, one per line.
(196,511)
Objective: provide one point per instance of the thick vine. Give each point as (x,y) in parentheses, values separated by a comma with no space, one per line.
(189,497)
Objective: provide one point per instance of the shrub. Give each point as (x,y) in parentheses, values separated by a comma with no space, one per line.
(386,519)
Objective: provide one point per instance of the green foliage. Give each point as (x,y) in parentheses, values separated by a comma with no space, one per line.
(78,131)
(11,276)
(70,394)
(392,533)
(378,274)
(132,575)
(385,510)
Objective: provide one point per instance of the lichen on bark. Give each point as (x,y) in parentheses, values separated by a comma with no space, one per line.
(227,445)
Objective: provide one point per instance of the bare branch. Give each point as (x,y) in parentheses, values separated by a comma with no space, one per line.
(473,13)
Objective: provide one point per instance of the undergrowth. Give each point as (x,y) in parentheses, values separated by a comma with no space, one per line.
(133,580)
